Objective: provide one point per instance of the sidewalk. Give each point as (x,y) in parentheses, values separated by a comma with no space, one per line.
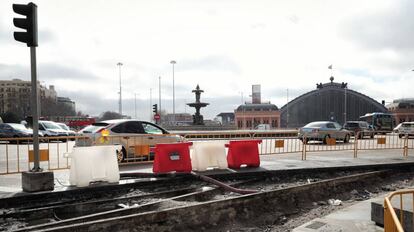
(355,218)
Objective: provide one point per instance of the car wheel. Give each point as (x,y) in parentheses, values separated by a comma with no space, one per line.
(400,135)
(121,155)
(325,139)
(346,139)
(372,135)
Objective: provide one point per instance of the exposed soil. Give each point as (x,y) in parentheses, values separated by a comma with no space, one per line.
(287,221)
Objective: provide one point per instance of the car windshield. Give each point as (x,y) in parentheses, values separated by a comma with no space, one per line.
(316,124)
(91,128)
(51,125)
(19,127)
(63,126)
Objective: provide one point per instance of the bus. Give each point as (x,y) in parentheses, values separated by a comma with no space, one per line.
(379,121)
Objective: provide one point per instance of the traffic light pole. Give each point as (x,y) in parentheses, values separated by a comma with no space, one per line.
(36,179)
(35,110)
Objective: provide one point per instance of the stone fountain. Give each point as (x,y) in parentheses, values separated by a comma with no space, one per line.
(197,117)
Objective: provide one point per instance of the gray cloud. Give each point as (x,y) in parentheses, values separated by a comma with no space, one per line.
(210,63)
(51,71)
(388,29)
(14,71)
(47,72)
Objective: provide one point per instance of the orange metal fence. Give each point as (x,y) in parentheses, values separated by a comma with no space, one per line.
(392,222)
(15,152)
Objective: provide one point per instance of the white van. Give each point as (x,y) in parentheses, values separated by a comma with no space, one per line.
(406,128)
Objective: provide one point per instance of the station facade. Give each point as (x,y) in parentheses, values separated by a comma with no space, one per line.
(328,102)
(402,109)
(249,116)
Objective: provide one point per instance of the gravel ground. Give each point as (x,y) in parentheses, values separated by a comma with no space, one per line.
(278,222)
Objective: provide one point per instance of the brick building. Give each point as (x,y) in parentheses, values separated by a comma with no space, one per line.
(402,109)
(248,116)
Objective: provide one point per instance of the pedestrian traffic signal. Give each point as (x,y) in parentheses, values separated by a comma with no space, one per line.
(29,24)
(155,108)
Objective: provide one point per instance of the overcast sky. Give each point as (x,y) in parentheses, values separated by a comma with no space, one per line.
(225,46)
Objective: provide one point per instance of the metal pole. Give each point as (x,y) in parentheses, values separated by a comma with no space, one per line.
(150,104)
(120,89)
(345,105)
(159,95)
(35,110)
(173,62)
(287,108)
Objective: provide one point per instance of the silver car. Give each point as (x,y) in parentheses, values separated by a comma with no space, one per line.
(322,131)
(135,136)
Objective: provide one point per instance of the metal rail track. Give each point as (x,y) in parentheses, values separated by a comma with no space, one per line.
(185,208)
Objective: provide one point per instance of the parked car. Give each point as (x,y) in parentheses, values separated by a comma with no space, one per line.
(322,131)
(14,130)
(131,134)
(67,129)
(51,129)
(406,128)
(362,127)
(395,130)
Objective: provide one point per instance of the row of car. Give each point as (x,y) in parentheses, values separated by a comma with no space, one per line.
(46,129)
(324,130)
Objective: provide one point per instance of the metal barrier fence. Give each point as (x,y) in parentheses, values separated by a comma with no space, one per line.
(15,154)
(378,141)
(393,223)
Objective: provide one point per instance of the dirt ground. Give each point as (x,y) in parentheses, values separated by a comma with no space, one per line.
(278,222)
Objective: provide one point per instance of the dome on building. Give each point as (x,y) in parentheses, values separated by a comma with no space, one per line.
(327,102)
(257,107)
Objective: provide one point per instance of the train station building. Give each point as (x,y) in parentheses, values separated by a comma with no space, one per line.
(250,115)
(330,101)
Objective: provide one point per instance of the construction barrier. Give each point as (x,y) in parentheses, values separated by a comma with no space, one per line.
(174,157)
(243,152)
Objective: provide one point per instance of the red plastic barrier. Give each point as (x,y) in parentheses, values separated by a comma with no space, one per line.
(243,152)
(173,157)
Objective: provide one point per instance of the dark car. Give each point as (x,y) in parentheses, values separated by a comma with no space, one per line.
(360,128)
(14,130)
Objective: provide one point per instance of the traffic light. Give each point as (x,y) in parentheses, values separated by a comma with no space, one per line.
(155,108)
(29,24)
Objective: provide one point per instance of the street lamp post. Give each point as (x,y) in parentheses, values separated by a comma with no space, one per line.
(120,89)
(173,62)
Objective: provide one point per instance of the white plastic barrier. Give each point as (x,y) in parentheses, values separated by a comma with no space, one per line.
(94,163)
(207,154)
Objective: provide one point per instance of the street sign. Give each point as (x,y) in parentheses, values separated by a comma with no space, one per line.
(157,116)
